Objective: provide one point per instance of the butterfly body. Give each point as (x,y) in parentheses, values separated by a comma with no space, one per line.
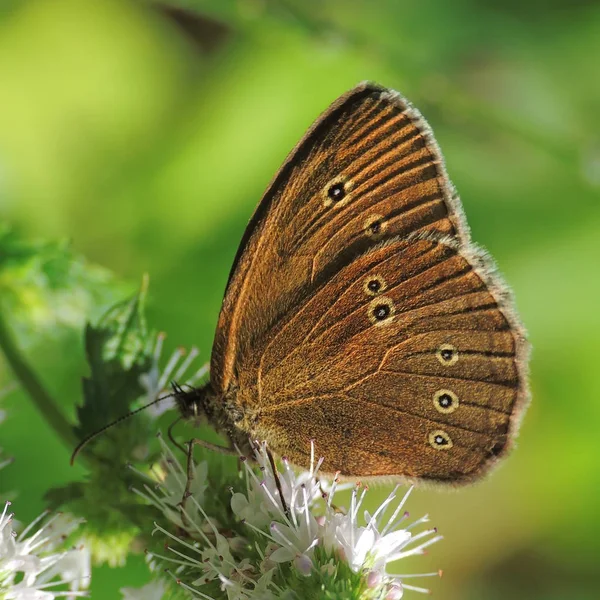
(359,314)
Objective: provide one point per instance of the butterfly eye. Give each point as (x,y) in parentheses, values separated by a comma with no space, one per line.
(440,440)
(374,285)
(445,401)
(447,354)
(381,311)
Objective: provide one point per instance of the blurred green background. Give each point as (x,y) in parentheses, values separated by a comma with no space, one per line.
(146,135)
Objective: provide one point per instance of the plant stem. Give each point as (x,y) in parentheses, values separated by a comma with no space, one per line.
(33,386)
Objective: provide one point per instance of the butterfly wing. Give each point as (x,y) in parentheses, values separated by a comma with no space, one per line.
(408,362)
(358,314)
(368,170)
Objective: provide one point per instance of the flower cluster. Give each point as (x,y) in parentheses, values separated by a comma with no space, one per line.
(283,533)
(32,564)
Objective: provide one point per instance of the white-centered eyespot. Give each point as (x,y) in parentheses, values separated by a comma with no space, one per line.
(440,440)
(374,285)
(447,354)
(445,401)
(381,310)
(337,192)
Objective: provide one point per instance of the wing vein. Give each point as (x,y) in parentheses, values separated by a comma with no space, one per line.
(383,407)
(505,384)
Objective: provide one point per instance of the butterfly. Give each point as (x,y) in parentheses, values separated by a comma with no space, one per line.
(359,314)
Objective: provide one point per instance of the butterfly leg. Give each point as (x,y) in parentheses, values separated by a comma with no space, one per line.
(286,510)
(173,440)
(190,466)
(228,450)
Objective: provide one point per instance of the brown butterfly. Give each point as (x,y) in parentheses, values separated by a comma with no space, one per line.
(359,314)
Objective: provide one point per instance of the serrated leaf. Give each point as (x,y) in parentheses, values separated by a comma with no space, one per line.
(118,351)
(125,332)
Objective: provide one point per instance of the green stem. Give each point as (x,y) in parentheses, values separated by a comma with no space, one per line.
(30,382)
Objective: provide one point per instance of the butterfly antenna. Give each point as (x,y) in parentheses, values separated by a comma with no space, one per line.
(84,442)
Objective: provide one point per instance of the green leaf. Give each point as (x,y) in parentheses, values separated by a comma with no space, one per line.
(46,284)
(59,497)
(118,351)
(114,515)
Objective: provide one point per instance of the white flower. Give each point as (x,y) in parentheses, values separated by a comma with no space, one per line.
(292,526)
(290,529)
(371,547)
(261,503)
(152,591)
(367,548)
(32,565)
(168,487)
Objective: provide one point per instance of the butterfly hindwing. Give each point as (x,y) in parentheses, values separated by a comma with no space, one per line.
(408,362)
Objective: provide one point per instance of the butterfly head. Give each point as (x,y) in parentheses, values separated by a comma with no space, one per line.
(193,403)
(201,405)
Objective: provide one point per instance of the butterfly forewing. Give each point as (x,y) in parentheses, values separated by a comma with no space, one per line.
(403,377)
(367,170)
